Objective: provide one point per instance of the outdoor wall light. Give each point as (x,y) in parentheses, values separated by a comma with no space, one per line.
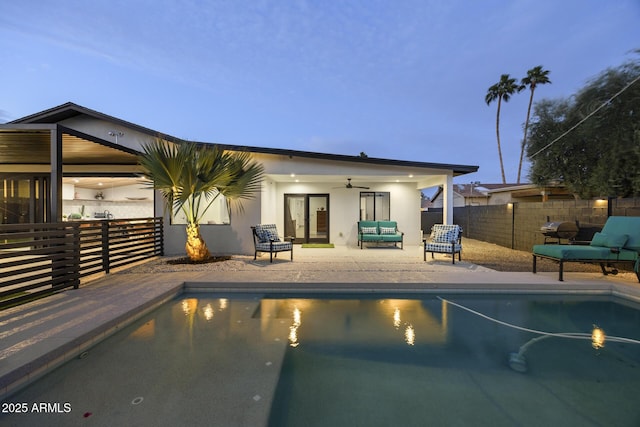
(116,134)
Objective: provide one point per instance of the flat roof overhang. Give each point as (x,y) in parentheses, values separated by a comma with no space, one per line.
(28,146)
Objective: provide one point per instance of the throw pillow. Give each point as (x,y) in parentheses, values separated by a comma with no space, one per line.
(609,240)
(599,239)
(444,236)
(271,236)
(262,235)
(369,230)
(387,230)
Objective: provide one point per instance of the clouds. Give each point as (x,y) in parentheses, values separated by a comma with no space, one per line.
(394,79)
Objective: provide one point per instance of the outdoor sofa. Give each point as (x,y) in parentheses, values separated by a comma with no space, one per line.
(444,239)
(266,239)
(379,231)
(618,242)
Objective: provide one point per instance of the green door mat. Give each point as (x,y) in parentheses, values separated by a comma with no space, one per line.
(317,245)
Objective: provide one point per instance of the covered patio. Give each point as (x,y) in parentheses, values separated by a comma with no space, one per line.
(43,153)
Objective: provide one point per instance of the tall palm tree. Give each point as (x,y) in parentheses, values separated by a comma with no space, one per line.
(502,91)
(192,176)
(535,76)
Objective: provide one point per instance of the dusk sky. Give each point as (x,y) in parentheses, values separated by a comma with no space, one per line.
(397,79)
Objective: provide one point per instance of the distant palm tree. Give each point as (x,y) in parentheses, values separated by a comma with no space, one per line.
(502,91)
(535,76)
(192,176)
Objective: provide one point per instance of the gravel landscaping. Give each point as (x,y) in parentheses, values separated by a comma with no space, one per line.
(477,252)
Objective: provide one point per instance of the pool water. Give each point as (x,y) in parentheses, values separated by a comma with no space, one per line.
(349,360)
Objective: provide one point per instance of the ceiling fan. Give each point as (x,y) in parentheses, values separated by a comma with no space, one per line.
(349,185)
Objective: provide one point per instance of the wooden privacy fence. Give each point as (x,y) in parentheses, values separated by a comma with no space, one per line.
(37,259)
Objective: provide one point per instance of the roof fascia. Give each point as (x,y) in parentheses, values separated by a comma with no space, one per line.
(459,169)
(71,108)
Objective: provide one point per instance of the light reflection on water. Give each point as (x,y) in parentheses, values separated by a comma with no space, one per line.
(358,361)
(431,354)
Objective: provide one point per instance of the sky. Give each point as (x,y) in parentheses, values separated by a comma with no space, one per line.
(396,79)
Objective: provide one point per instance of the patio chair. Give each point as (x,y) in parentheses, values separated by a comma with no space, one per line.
(266,239)
(444,239)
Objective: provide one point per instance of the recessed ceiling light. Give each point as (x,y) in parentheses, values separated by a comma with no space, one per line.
(292,175)
(410,175)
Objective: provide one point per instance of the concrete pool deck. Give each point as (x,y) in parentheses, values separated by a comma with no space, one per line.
(39,336)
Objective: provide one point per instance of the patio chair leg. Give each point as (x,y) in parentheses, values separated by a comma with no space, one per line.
(560,274)
(534,264)
(604,270)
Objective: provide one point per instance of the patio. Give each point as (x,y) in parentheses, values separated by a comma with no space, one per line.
(43,334)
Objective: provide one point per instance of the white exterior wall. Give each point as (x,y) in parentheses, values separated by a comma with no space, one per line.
(344,208)
(316,176)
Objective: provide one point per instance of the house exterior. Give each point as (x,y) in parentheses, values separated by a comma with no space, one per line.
(52,164)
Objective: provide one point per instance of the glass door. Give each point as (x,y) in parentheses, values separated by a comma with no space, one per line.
(295,217)
(318,218)
(306,217)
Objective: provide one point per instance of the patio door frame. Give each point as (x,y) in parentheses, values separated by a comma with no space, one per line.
(306,238)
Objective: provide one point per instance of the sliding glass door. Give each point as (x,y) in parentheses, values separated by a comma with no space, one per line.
(306,217)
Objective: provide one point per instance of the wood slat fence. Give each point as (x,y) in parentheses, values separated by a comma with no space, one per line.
(39,259)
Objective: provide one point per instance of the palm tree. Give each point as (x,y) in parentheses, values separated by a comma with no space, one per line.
(192,176)
(535,76)
(501,91)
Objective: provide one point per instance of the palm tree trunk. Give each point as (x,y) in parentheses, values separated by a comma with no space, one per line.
(196,247)
(504,180)
(524,140)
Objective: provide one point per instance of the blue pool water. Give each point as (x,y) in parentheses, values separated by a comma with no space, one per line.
(354,360)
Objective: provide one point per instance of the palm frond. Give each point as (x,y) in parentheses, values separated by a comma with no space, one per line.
(192,176)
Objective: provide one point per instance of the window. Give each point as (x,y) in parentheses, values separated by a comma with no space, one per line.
(218,213)
(375,206)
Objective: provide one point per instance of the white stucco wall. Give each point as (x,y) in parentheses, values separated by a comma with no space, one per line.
(344,208)
(317,176)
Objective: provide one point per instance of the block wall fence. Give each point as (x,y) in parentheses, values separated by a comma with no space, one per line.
(518,225)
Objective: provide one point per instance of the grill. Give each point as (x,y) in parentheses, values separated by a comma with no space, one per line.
(559,230)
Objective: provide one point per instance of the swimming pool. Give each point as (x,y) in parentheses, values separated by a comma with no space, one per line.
(354,360)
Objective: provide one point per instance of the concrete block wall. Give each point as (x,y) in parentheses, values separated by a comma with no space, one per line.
(518,225)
